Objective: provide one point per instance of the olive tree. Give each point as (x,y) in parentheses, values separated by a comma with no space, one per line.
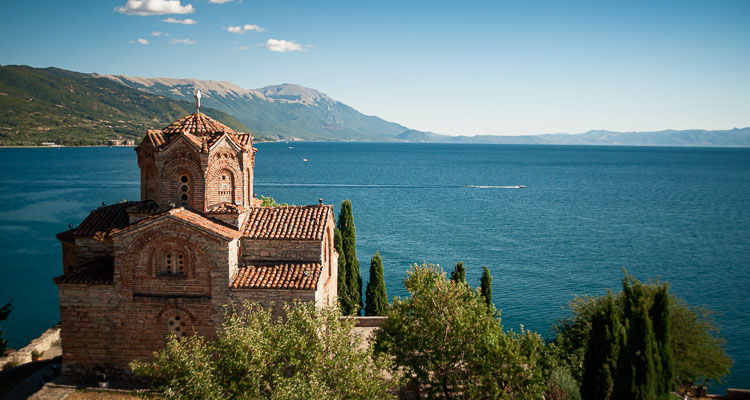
(309,352)
(444,338)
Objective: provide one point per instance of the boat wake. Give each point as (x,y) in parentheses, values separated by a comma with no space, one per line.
(496,187)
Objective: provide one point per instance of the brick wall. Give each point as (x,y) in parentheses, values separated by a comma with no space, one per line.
(88,249)
(89,317)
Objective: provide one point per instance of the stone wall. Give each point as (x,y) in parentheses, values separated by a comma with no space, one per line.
(273,299)
(280,250)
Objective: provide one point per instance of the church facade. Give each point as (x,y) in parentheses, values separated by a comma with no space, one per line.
(136,271)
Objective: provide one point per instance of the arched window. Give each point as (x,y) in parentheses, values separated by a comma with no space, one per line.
(173,263)
(226,186)
(183,192)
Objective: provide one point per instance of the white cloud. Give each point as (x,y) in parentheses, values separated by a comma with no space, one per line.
(219,1)
(142,41)
(245,28)
(186,21)
(155,7)
(183,41)
(157,34)
(281,46)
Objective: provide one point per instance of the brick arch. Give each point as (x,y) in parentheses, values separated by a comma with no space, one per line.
(171,310)
(173,243)
(213,180)
(139,250)
(170,176)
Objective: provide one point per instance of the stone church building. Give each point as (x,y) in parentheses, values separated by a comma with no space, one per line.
(197,240)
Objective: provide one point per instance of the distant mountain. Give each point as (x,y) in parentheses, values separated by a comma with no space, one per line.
(737,137)
(279,111)
(54,105)
(72,108)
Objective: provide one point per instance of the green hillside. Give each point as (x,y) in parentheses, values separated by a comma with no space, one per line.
(71,108)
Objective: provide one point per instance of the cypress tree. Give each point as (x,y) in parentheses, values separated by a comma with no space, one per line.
(349,239)
(635,367)
(377,299)
(600,359)
(661,324)
(486,287)
(343,291)
(459,273)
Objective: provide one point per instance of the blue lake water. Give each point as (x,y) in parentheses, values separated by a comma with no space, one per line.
(676,214)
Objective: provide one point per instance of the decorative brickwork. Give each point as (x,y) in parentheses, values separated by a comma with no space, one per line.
(136,272)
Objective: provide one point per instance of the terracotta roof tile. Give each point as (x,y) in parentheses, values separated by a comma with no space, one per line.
(226,208)
(302,276)
(191,217)
(197,124)
(104,219)
(96,272)
(200,130)
(289,222)
(66,236)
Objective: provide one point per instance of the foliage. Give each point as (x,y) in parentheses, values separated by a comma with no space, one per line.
(486,286)
(697,345)
(600,361)
(308,353)
(352,303)
(443,336)
(459,273)
(636,374)
(561,385)
(698,350)
(659,314)
(270,202)
(343,290)
(4,313)
(377,299)
(70,108)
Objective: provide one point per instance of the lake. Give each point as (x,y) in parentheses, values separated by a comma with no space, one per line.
(680,215)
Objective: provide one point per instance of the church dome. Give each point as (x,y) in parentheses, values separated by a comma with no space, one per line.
(197,124)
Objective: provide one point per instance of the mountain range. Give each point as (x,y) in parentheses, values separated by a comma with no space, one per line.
(73,108)
(277,112)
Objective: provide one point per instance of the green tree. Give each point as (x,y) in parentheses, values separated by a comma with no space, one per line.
(270,202)
(659,314)
(486,286)
(459,273)
(308,353)
(698,350)
(600,360)
(343,290)
(443,336)
(4,313)
(349,241)
(636,363)
(377,299)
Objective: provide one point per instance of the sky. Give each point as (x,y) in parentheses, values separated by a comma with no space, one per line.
(454,67)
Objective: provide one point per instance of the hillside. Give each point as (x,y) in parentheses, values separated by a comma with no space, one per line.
(71,108)
(737,137)
(279,111)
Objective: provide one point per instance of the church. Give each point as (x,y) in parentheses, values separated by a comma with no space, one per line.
(198,239)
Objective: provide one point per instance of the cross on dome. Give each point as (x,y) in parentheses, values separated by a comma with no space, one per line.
(197,96)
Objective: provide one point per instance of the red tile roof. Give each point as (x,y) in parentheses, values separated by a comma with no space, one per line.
(193,218)
(200,130)
(105,219)
(289,222)
(303,276)
(67,236)
(197,124)
(96,272)
(226,208)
